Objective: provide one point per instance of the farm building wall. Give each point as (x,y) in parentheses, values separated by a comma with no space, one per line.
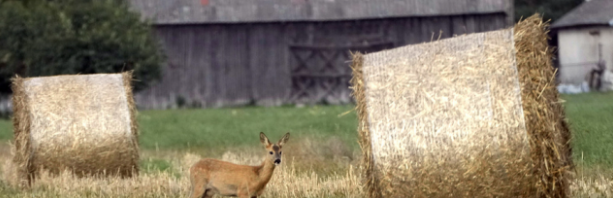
(579,52)
(270,64)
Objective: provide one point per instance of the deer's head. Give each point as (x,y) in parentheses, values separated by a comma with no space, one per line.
(273,151)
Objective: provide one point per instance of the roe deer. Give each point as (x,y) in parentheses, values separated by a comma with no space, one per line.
(210,176)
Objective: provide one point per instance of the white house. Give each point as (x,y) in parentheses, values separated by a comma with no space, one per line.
(585,44)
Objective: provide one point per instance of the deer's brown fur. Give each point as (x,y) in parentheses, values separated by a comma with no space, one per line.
(210,176)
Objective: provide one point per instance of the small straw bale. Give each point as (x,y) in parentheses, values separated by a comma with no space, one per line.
(447,118)
(81,123)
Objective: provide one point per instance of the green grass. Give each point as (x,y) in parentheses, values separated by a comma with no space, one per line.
(6,129)
(232,127)
(591,120)
(151,165)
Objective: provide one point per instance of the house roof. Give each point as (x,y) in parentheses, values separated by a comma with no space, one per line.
(593,12)
(235,11)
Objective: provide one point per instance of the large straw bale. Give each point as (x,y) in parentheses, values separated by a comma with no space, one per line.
(445,119)
(81,123)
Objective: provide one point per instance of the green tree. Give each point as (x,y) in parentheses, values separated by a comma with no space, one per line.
(53,37)
(550,9)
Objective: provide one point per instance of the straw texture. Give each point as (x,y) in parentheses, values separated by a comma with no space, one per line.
(543,111)
(81,123)
(21,128)
(367,164)
(445,119)
(471,116)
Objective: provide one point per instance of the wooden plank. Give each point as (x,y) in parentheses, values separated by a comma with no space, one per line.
(239,80)
(397,31)
(269,61)
(442,27)
(185,70)
(501,21)
(214,84)
(321,75)
(202,56)
(486,23)
(414,31)
(233,73)
(472,23)
(458,24)
(183,91)
(428,29)
(338,47)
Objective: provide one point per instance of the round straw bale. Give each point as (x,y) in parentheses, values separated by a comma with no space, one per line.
(82,123)
(447,118)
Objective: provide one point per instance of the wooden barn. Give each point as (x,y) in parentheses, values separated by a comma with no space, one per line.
(275,52)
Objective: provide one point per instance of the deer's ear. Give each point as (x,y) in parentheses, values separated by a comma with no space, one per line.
(264,140)
(284,139)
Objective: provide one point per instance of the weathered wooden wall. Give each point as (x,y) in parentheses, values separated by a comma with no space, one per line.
(216,65)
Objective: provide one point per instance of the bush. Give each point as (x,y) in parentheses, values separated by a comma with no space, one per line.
(44,37)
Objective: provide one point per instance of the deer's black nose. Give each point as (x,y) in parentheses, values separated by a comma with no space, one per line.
(277,161)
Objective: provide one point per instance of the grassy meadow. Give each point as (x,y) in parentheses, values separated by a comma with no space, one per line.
(319,159)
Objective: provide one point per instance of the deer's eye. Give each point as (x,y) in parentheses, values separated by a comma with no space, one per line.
(280,152)
(271,152)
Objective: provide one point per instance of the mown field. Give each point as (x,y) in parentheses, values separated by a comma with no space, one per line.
(319,159)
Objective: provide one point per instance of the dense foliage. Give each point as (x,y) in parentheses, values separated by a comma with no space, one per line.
(52,37)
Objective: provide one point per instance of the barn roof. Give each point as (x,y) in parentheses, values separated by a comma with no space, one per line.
(234,11)
(593,12)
